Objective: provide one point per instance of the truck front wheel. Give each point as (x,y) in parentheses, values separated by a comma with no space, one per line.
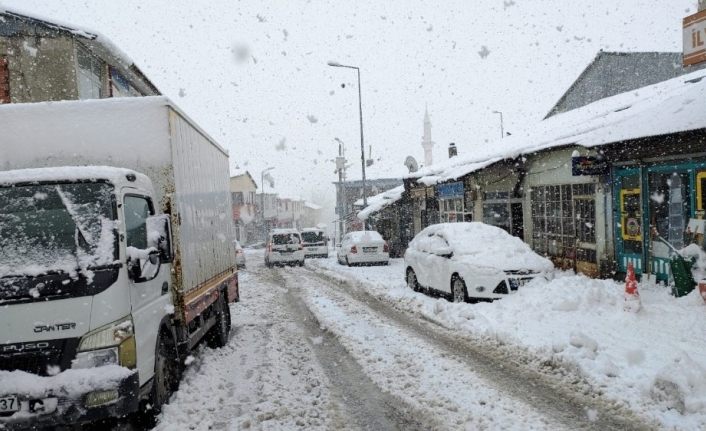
(166,373)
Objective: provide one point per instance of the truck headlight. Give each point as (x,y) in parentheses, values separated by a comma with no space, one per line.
(113,343)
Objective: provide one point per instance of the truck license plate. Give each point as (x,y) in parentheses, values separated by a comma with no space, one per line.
(9,404)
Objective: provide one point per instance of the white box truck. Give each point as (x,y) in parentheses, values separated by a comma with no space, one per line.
(116,256)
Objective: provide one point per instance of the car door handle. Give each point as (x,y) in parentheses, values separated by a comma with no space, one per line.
(165,288)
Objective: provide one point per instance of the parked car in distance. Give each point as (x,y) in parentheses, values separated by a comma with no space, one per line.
(315,242)
(363,247)
(284,247)
(239,255)
(471,260)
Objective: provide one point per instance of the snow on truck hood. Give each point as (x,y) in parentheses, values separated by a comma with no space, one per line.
(488,246)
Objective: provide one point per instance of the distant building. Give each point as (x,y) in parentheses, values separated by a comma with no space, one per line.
(352,197)
(45,61)
(612,73)
(243,191)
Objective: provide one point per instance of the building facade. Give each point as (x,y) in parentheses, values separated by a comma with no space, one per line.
(243,190)
(43,61)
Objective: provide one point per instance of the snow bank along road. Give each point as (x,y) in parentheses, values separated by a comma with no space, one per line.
(308,351)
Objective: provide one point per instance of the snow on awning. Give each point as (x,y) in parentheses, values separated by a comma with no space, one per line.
(380,201)
(312,206)
(672,106)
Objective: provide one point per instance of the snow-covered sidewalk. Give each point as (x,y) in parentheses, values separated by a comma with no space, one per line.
(654,362)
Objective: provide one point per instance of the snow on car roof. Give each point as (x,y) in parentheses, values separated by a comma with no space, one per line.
(489,246)
(380,201)
(671,106)
(74,173)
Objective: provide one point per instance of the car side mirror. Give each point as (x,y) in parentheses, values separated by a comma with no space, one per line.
(446,252)
(159,236)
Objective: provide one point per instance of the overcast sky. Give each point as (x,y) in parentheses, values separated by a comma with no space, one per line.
(254,74)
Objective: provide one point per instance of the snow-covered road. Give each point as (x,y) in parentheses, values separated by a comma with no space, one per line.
(309,351)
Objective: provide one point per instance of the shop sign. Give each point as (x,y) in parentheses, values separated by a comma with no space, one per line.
(452,190)
(694,38)
(588,165)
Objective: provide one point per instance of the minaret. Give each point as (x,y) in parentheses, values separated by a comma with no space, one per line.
(427,143)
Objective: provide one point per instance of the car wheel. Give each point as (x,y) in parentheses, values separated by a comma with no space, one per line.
(458,289)
(412,280)
(301,262)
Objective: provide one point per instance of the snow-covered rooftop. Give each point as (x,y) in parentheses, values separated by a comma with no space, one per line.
(380,201)
(671,106)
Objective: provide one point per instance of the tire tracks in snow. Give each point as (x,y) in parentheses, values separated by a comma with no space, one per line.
(565,406)
(368,407)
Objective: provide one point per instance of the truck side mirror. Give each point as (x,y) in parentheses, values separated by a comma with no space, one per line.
(159,236)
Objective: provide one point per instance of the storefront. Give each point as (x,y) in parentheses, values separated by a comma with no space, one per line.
(656,199)
(566,212)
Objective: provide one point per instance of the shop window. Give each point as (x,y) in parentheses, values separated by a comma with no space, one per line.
(669,206)
(564,216)
(4,81)
(451,210)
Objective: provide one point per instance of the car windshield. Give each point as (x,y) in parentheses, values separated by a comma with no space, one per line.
(59,227)
(285,238)
(310,237)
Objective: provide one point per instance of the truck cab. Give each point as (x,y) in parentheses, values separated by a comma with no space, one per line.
(85,279)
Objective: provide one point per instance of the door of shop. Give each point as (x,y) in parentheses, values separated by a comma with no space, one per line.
(659,199)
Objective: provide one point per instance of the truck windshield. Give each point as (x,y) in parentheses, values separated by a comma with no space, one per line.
(56,228)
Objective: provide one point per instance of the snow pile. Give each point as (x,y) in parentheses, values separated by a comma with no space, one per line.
(670,106)
(380,201)
(653,361)
(69,383)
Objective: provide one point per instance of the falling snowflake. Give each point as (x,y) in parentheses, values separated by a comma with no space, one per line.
(312,119)
(282,145)
(484,52)
(182,92)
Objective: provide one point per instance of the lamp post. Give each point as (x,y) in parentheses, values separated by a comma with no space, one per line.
(502,131)
(262,200)
(362,143)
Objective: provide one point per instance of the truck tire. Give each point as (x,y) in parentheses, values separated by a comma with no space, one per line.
(166,372)
(217,336)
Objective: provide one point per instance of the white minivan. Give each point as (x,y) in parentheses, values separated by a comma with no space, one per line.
(314,240)
(284,247)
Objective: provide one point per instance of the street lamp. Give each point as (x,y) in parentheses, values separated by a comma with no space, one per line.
(360,112)
(262,200)
(502,132)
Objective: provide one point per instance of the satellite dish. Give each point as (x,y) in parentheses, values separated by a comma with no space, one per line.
(411,164)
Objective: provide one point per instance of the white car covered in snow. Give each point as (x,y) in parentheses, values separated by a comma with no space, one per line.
(284,246)
(315,242)
(473,260)
(363,247)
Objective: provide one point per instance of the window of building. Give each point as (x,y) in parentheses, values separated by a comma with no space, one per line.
(563,221)
(120,86)
(90,67)
(4,81)
(451,210)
